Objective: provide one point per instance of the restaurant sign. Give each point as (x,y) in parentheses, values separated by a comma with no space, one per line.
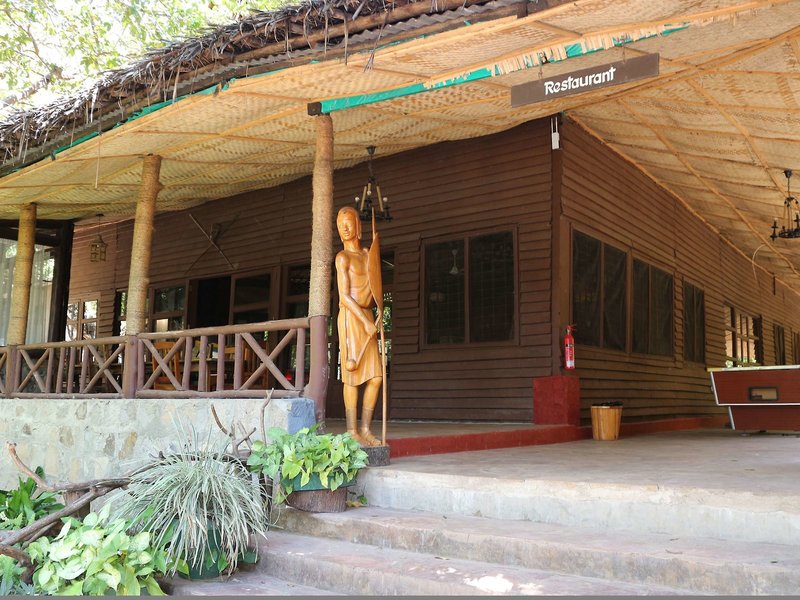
(585,80)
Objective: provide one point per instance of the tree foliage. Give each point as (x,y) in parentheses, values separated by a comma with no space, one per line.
(51,47)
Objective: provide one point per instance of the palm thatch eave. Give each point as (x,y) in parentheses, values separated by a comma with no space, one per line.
(262,42)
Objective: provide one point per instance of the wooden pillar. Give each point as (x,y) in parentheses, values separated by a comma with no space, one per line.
(139,278)
(23,270)
(319,293)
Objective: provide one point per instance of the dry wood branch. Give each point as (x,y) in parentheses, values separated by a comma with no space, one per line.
(38,528)
(62,487)
(231,434)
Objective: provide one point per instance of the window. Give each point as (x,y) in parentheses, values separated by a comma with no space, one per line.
(251,295)
(168,307)
(694,324)
(120,312)
(779,333)
(743,343)
(599,283)
(652,310)
(81,320)
(470,290)
(796,348)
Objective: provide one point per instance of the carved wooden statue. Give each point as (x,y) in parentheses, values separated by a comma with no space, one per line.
(358,276)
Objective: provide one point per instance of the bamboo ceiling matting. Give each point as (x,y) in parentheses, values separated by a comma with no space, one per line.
(717,127)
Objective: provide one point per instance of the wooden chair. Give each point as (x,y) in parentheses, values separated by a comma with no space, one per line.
(163,382)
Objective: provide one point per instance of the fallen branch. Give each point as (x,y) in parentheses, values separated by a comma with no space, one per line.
(62,487)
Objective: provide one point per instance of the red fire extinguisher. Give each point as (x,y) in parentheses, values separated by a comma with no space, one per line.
(569,348)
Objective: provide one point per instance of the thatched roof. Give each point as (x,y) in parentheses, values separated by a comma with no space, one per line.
(717,126)
(252,45)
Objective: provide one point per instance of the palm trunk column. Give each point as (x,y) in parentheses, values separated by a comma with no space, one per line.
(23,270)
(139,278)
(319,293)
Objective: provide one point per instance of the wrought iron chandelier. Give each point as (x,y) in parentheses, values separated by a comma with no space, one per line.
(790,228)
(371,196)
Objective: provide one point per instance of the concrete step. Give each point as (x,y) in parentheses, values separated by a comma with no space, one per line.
(537,484)
(242,583)
(362,569)
(702,565)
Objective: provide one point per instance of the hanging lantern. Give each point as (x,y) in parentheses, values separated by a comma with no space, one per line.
(97,249)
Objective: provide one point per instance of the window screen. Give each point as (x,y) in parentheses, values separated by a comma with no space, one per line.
(615,274)
(652,310)
(470,290)
(444,288)
(491,287)
(586,289)
(694,334)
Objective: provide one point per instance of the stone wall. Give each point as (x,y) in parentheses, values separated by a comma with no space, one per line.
(82,439)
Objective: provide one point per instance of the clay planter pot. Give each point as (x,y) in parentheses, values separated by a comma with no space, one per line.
(313,497)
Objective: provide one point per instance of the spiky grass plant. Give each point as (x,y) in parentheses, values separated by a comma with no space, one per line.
(194,491)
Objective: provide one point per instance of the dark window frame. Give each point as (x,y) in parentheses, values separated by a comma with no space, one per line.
(602,315)
(795,347)
(154,317)
(266,304)
(81,320)
(779,341)
(735,318)
(694,328)
(651,341)
(465,238)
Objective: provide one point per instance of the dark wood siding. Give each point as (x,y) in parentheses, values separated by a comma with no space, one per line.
(447,190)
(606,196)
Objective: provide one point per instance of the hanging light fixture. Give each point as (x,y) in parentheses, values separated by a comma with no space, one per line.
(790,228)
(372,194)
(97,249)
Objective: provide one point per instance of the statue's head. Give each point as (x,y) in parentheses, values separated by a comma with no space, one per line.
(348,223)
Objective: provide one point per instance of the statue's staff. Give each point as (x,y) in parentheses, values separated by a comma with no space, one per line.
(376,287)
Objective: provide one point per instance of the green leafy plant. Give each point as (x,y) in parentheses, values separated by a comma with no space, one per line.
(334,459)
(97,559)
(22,505)
(11,583)
(200,504)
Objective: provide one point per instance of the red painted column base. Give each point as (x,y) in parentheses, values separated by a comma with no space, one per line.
(556,400)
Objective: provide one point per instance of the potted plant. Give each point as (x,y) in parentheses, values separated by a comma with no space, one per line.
(306,462)
(202,505)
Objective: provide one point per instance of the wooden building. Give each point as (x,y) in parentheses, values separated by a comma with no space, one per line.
(509,223)
(503,190)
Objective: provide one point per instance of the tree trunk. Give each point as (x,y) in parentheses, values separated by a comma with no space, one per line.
(319,293)
(23,270)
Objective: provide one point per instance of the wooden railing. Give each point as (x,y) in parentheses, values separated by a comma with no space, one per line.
(229,361)
(65,369)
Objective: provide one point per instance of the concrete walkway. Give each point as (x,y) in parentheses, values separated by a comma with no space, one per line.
(761,464)
(693,512)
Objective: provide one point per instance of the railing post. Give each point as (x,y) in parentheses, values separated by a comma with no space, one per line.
(12,381)
(300,360)
(129,368)
(16,371)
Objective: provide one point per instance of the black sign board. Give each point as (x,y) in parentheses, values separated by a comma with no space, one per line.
(585,80)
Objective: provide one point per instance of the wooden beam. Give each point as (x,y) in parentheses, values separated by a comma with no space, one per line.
(23,270)
(319,293)
(139,279)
